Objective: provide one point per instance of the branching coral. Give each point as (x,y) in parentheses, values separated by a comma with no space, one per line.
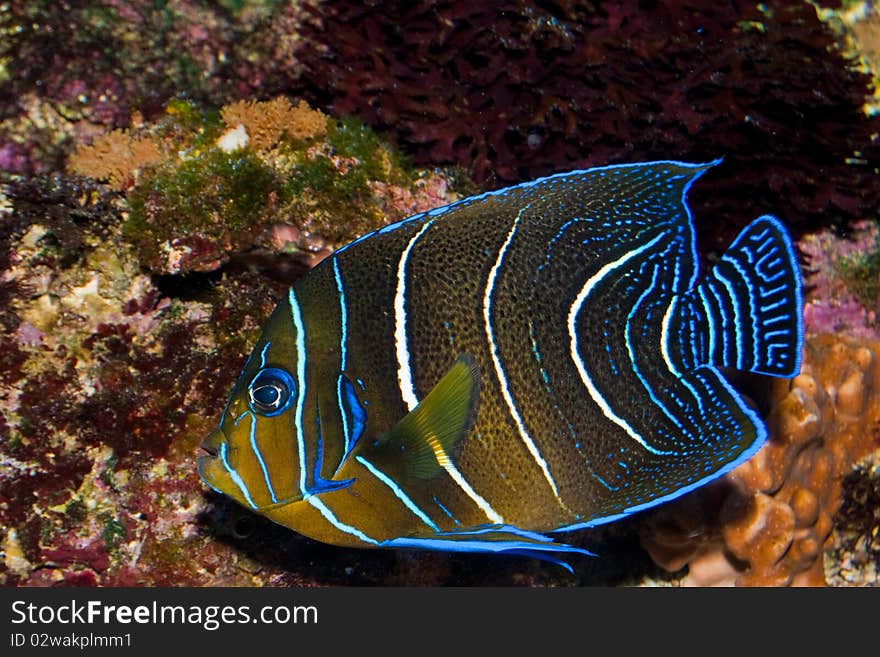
(768,521)
(116,157)
(266,123)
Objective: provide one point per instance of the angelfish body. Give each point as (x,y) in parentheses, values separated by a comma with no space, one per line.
(536,359)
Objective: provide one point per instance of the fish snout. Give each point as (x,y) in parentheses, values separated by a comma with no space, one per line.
(211,443)
(208,463)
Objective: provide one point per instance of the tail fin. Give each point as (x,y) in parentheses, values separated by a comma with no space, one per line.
(751,303)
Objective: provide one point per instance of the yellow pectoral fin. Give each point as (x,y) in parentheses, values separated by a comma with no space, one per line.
(421,445)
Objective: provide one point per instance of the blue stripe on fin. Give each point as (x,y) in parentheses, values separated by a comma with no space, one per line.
(491,539)
(546,182)
(713,378)
(754,296)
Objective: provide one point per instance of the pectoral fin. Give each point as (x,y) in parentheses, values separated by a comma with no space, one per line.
(423,442)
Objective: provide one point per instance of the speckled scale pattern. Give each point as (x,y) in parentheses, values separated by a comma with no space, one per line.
(590,352)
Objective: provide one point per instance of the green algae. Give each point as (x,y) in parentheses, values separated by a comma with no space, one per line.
(213,192)
(378,160)
(861,275)
(213,185)
(75,510)
(203,202)
(113,531)
(107,474)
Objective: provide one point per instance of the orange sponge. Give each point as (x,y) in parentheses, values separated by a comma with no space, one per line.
(766,523)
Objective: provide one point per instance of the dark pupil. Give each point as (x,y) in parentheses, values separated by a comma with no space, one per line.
(268,394)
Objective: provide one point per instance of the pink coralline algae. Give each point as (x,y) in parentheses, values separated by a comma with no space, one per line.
(841,282)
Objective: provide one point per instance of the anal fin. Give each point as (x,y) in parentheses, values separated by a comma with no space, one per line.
(503,539)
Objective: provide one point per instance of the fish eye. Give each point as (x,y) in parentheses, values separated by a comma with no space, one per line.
(271,391)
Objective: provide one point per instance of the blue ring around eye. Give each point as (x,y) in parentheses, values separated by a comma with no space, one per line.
(276,379)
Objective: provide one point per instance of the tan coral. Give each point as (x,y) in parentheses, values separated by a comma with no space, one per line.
(116,157)
(265,122)
(766,523)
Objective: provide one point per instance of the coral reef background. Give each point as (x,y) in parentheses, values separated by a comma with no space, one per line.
(174,166)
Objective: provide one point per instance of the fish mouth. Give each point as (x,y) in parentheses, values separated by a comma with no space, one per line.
(211,443)
(207,463)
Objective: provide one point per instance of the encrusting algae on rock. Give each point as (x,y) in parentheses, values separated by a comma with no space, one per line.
(203,186)
(109,375)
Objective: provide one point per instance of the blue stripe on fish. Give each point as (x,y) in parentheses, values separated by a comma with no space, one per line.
(550,345)
(499,539)
(256,450)
(398,492)
(355,417)
(445,510)
(319,484)
(236,477)
(299,327)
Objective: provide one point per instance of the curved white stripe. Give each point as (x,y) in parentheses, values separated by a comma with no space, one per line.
(296,314)
(664,337)
(664,350)
(343,341)
(457,477)
(710,321)
(233,474)
(496,360)
(631,349)
(256,450)
(343,316)
(404,369)
(737,320)
(316,502)
(591,283)
(398,492)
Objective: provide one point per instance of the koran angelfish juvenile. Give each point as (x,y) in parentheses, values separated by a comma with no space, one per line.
(532,360)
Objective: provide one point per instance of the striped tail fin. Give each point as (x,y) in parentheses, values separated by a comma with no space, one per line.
(751,304)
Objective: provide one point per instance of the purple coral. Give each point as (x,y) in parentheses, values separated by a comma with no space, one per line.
(514,90)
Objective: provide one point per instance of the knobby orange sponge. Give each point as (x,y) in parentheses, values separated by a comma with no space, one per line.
(767,522)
